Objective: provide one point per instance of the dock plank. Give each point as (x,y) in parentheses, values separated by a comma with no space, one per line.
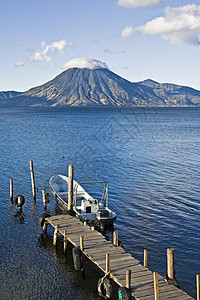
(95,247)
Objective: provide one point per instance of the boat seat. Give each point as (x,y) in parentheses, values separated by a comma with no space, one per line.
(86,206)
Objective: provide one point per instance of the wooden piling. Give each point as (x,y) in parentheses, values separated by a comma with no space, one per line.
(156,290)
(115,238)
(170,263)
(198,286)
(128,279)
(44,199)
(145,257)
(55,236)
(81,243)
(45,227)
(107,262)
(65,241)
(32,180)
(11,190)
(70,187)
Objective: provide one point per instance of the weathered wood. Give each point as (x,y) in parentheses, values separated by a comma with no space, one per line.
(135,281)
(115,238)
(107,262)
(165,291)
(145,257)
(45,227)
(65,241)
(128,279)
(44,199)
(11,190)
(70,187)
(124,264)
(117,261)
(55,237)
(81,243)
(32,180)
(198,286)
(170,263)
(156,291)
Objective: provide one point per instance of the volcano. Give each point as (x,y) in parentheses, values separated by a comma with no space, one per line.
(101,87)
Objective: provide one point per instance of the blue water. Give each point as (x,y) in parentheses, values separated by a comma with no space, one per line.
(155,191)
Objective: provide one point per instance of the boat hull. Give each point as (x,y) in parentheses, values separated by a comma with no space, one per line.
(84,217)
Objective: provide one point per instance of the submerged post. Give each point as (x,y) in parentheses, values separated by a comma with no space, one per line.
(70,187)
(198,286)
(170,263)
(11,190)
(32,180)
(145,257)
(156,290)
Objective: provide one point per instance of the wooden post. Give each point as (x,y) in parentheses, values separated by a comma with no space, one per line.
(145,257)
(11,190)
(128,279)
(85,223)
(55,236)
(170,263)
(156,290)
(81,242)
(44,199)
(107,262)
(32,180)
(65,241)
(115,238)
(93,228)
(70,187)
(45,227)
(198,286)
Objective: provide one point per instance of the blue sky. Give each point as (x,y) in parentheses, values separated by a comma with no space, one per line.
(137,39)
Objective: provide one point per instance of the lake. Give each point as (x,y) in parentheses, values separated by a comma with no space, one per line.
(149,156)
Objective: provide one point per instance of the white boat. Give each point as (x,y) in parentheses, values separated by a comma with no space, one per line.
(93,211)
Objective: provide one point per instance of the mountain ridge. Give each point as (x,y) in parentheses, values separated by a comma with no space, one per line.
(101,87)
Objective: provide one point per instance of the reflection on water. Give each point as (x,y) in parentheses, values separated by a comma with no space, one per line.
(155,192)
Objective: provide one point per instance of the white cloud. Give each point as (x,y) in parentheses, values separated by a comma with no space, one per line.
(179,25)
(43,55)
(138,3)
(19,64)
(84,62)
(128,31)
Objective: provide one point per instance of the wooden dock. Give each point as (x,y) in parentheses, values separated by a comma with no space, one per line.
(115,259)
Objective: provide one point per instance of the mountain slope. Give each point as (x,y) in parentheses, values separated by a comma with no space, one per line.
(172,93)
(8,95)
(89,87)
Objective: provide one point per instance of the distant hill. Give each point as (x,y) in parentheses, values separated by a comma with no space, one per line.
(172,93)
(8,95)
(101,87)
